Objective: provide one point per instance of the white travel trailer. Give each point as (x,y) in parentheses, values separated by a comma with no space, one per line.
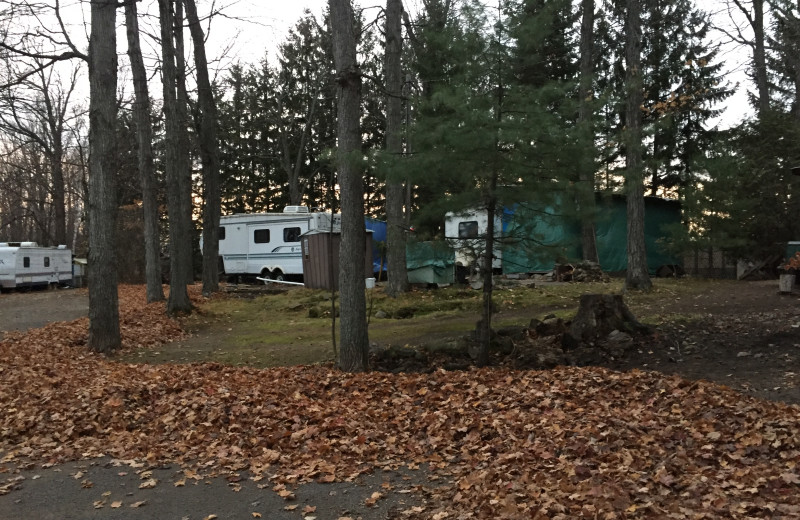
(25,264)
(466,233)
(268,244)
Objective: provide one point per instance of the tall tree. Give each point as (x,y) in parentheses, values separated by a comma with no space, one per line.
(303,101)
(753,12)
(637,277)
(104,331)
(586,164)
(209,154)
(395,220)
(184,149)
(354,351)
(178,229)
(37,111)
(144,138)
(786,64)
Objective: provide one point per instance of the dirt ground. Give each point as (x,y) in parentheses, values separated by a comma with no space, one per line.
(747,337)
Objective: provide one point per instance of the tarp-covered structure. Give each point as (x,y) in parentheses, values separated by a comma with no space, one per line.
(430,262)
(535,238)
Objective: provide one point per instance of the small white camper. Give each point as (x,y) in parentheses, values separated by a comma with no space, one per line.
(268,244)
(25,264)
(465,231)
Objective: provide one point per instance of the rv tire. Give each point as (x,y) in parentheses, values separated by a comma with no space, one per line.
(278,276)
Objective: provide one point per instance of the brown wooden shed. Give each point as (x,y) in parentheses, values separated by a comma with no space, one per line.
(321,259)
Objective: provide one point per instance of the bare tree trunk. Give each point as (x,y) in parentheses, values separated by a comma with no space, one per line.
(586,173)
(104,332)
(144,136)
(637,276)
(487,275)
(209,155)
(354,351)
(178,296)
(760,57)
(184,154)
(395,221)
(59,195)
(293,169)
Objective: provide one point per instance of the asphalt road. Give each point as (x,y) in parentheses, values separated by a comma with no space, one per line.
(105,490)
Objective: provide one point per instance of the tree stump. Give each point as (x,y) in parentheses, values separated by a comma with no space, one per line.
(598,316)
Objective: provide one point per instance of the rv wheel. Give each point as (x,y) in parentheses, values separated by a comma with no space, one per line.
(277,275)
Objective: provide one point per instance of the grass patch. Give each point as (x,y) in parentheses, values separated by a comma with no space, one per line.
(294,328)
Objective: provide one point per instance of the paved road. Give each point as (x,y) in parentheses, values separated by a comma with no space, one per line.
(37,308)
(101,490)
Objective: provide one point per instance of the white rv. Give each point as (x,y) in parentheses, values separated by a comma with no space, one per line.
(25,264)
(465,231)
(268,244)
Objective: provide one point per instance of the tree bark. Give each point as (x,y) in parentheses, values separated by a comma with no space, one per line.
(586,200)
(487,275)
(637,277)
(395,193)
(184,153)
(178,296)
(760,58)
(104,332)
(209,155)
(354,349)
(144,137)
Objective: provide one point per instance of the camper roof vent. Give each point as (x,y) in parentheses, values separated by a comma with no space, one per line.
(295,209)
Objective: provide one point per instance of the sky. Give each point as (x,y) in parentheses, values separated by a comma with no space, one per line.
(255,26)
(247,29)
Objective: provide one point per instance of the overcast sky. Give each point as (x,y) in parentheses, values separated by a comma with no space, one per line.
(247,29)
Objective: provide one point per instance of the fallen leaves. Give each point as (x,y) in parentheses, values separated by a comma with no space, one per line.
(149,484)
(567,443)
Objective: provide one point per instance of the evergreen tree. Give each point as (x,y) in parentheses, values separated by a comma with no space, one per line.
(304,97)
(487,140)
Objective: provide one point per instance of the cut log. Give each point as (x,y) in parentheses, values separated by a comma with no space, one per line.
(598,316)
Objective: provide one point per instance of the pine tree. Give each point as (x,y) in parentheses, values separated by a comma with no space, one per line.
(487,140)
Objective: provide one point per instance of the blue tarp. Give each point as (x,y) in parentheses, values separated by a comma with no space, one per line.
(378,228)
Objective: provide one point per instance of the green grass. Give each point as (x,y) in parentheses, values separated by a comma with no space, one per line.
(278,329)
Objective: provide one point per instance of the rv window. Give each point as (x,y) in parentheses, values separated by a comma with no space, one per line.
(26,261)
(468,229)
(291,234)
(47,261)
(222,233)
(261,236)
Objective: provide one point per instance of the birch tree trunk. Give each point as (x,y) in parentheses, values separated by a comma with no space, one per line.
(104,332)
(144,136)
(209,154)
(354,349)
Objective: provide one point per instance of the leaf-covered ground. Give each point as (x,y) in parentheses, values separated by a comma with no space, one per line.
(567,443)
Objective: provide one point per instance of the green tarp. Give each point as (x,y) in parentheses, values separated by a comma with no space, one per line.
(537,238)
(430,262)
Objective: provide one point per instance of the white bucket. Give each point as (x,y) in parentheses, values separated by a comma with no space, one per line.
(370,283)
